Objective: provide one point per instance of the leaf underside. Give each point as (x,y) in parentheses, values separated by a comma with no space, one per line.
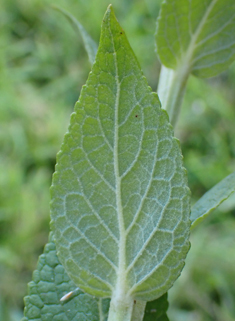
(198,35)
(120,201)
(51,282)
(212,199)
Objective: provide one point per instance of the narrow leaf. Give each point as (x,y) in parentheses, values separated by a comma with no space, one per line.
(198,36)
(212,199)
(120,201)
(89,43)
(50,283)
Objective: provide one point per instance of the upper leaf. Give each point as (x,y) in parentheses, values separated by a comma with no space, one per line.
(120,201)
(197,35)
(212,199)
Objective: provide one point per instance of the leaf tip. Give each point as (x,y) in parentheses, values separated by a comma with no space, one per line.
(109,14)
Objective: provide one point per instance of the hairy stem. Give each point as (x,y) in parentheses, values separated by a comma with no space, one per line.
(120,309)
(138,310)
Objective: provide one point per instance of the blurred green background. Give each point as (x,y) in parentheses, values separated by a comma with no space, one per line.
(43,65)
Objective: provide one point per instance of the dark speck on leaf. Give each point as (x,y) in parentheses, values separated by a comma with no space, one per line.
(136,116)
(120,33)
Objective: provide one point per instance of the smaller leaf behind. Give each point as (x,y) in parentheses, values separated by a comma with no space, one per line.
(152,310)
(198,36)
(50,283)
(89,43)
(156,310)
(212,199)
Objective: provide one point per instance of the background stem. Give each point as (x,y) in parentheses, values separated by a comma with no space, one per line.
(171,89)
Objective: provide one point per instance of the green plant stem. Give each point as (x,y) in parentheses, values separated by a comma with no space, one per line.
(120,310)
(138,310)
(171,89)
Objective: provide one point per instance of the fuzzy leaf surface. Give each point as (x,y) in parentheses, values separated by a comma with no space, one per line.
(120,201)
(212,199)
(197,35)
(50,283)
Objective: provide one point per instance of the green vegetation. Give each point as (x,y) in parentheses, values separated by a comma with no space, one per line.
(43,63)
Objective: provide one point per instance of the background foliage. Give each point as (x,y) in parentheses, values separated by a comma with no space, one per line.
(42,67)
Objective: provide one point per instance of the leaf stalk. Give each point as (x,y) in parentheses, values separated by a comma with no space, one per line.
(120,309)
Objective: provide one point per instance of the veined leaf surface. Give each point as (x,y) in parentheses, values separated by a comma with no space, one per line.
(120,201)
(51,282)
(197,35)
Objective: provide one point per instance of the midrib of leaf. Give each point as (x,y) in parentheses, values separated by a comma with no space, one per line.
(121,273)
(195,35)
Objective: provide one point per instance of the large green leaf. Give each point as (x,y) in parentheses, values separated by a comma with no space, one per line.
(212,199)
(120,201)
(50,283)
(198,36)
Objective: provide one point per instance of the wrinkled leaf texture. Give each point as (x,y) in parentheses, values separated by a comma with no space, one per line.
(51,282)
(120,201)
